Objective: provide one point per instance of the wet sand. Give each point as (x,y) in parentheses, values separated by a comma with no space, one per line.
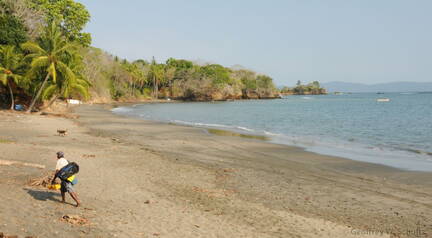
(146,179)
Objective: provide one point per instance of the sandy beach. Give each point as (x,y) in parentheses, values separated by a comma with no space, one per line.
(146,179)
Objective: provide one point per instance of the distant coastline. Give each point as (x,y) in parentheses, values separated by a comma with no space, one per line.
(392,87)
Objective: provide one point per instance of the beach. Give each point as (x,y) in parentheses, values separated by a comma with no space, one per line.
(146,179)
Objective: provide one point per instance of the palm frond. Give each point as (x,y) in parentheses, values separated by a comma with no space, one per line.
(83,91)
(67,73)
(16,78)
(30,57)
(40,62)
(10,58)
(53,71)
(33,48)
(3,79)
(32,73)
(49,91)
(65,47)
(83,82)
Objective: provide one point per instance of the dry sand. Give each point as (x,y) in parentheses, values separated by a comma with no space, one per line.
(146,179)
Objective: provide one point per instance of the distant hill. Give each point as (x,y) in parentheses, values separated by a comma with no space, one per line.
(382,87)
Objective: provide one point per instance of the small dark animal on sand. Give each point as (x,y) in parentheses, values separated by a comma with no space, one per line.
(62,132)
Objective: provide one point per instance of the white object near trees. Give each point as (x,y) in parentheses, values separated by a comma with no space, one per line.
(74,101)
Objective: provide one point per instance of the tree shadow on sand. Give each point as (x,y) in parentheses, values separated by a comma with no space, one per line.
(43,195)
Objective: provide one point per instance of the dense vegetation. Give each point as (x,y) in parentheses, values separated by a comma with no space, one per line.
(45,56)
(313,88)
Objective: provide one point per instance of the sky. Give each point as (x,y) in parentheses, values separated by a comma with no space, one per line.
(360,41)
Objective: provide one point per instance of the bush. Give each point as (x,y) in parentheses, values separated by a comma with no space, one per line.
(12,30)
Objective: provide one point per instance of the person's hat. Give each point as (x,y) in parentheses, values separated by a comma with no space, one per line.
(60,154)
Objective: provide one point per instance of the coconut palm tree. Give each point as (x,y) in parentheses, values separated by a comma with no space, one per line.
(68,86)
(50,55)
(10,66)
(156,74)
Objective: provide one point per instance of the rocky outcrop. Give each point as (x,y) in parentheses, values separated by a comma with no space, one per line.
(263,94)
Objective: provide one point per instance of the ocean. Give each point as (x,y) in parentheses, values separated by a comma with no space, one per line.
(354,126)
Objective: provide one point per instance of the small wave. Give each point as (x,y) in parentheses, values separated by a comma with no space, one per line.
(121,110)
(200,124)
(307,98)
(416,151)
(245,128)
(213,125)
(271,134)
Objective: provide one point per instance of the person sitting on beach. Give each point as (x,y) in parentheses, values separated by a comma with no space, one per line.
(66,185)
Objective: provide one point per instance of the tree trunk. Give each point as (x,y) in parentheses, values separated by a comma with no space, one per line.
(157,89)
(38,94)
(12,97)
(154,86)
(170,89)
(51,101)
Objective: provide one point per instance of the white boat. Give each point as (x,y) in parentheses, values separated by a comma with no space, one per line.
(383,100)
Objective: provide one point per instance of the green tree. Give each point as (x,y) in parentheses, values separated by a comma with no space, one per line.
(67,87)
(31,18)
(12,31)
(264,84)
(179,64)
(156,74)
(10,67)
(247,77)
(141,62)
(71,16)
(219,74)
(50,55)
(136,75)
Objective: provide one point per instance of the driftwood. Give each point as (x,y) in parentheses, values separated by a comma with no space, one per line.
(43,181)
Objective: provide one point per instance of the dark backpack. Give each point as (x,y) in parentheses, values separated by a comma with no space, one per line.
(68,170)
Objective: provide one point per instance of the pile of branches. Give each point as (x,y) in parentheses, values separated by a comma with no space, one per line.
(43,181)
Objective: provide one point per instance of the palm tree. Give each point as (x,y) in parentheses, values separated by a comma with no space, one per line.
(68,86)
(156,74)
(10,65)
(142,70)
(49,55)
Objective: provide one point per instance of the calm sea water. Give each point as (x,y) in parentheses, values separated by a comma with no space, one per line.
(355,126)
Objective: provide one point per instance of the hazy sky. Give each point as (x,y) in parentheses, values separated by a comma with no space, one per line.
(365,41)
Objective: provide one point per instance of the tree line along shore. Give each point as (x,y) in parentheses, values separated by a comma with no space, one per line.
(45,56)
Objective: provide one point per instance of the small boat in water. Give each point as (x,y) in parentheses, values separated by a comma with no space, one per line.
(383,100)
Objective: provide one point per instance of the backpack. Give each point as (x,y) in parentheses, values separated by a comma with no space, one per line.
(68,170)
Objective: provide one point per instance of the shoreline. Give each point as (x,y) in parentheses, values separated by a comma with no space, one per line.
(402,159)
(260,138)
(143,179)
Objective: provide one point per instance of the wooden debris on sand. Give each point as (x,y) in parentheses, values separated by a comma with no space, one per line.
(43,181)
(75,220)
